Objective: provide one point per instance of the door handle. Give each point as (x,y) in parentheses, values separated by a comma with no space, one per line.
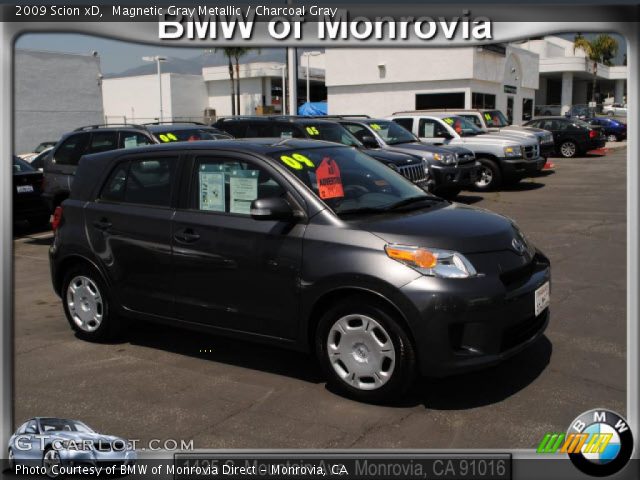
(187,236)
(102,224)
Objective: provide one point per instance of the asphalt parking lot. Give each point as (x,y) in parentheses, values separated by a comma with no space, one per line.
(164,383)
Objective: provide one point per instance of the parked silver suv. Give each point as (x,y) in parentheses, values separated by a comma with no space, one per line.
(503,159)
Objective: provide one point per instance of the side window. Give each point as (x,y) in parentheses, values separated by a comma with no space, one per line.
(286,131)
(428,128)
(259,130)
(405,122)
(113,190)
(474,119)
(145,181)
(32,427)
(72,149)
(149,182)
(22,428)
(229,185)
(103,142)
(549,125)
(132,140)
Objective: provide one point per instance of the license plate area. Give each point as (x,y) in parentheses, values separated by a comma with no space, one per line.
(25,188)
(542,298)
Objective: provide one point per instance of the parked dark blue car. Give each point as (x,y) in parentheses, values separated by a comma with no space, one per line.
(613,129)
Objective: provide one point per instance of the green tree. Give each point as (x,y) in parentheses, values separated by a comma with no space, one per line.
(601,49)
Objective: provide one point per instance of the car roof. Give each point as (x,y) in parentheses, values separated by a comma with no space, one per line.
(551,117)
(280,118)
(181,126)
(425,113)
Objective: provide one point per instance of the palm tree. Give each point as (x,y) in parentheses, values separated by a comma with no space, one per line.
(229,53)
(237,54)
(601,49)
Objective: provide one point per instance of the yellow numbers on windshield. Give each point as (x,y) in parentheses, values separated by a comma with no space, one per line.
(168,137)
(312,131)
(297,161)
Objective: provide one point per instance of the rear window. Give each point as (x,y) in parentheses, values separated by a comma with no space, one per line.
(20,166)
(103,142)
(145,181)
(70,151)
(331,132)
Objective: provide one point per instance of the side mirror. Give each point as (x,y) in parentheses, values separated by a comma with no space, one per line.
(369,142)
(274,208)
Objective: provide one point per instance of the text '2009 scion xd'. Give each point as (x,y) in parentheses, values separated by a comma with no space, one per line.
(305,244)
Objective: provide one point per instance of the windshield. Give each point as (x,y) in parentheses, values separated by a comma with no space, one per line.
(62,425)
(495,119)
(332,132)
(392,133)
(347,180)
(190,135)
(462,126)
(580,123)
(20,166)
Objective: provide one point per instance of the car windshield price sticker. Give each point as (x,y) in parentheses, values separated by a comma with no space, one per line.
(297,161)
(212,191)
(130,142)
(168,137)
(243,189)
(312,131)
(375,126)
(329,181)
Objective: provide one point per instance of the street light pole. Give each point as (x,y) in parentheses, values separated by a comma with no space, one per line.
(309,54)
(158,59)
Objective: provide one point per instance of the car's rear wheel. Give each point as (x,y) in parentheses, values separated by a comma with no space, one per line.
(612,137)
(568,149)
(364,351)
(86,305)
(50,460)
(489,175)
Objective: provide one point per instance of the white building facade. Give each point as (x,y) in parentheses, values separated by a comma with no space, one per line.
(381,81)
(566,76)
(54,93)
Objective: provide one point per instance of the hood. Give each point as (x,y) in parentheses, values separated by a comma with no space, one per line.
(422,149)
(517,133)
(396,158)
(448,226)
(513,136)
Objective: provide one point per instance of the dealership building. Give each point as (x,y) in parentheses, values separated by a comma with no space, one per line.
(522,79)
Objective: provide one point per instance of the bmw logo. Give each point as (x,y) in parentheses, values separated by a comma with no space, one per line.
(607,444)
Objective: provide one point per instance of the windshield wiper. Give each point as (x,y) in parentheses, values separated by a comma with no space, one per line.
(363,210)
(410,200)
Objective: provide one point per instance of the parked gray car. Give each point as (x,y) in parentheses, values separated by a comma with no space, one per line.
(50,442)
(61,164)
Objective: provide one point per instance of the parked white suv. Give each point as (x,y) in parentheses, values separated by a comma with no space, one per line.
(503,159)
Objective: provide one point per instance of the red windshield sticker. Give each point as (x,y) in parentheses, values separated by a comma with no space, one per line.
(329,181)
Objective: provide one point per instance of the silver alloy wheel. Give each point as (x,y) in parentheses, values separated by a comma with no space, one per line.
(612,138)
(85,303)
(12,460)
(568,149)
(361,352)
(486,176)
(51,459)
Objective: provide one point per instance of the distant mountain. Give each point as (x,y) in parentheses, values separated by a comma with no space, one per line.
(193,66)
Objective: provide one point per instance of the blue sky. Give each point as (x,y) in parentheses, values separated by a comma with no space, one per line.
(117,56)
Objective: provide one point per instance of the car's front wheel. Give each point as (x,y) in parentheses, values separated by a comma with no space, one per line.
(489,175)
(12,460)
(364,351)
(51,462)
(86,305)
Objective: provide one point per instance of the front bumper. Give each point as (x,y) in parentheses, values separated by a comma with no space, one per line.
(547,149)
(456,175)
(465,324)
(520,167)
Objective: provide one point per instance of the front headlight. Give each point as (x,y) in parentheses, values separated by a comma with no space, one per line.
(513,152)
(444,157)
(433,262)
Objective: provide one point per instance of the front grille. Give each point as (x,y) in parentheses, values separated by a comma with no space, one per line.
(531,151)
(523,331)
(415,173)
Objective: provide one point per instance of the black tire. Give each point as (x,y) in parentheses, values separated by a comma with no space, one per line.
(110,326)
(612,138)
(403,371)
(568,149)
(484,183)
(49,473)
